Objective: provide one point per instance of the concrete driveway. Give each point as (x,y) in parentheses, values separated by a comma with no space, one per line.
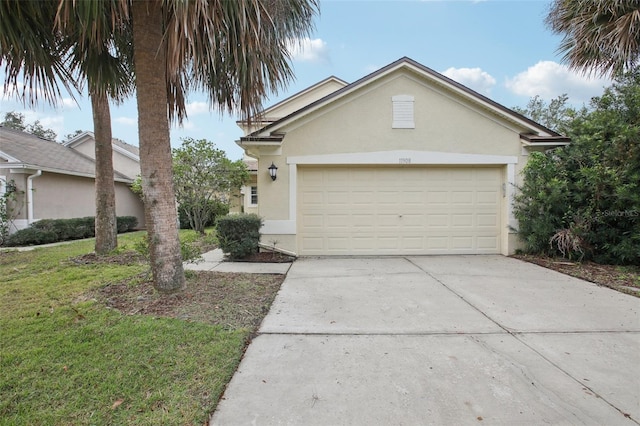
(443,340)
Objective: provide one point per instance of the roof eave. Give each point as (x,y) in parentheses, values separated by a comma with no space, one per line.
(27,168)
(544,141)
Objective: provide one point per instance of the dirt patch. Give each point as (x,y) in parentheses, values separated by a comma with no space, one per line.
(625,279)
(227,299)
(126,258)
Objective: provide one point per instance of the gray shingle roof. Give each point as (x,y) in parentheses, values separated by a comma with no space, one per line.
(31,151)
(131,148)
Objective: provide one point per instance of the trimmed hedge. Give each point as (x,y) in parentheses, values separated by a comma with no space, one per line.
(239,234)
(54,230)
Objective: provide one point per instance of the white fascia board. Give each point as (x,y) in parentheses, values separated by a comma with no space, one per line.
(403,157)
(78,139)
(84,136)
(30,168)
(9,158)
(126,153)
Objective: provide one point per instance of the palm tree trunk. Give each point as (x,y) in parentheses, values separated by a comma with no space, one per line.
(106,228)
(149,58)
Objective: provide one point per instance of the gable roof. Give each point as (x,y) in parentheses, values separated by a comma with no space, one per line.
(23,150)
(122,147)
(535,132)
(305,97)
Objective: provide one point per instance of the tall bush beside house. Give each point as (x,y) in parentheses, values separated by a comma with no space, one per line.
(584,199)
(239,235)
(541,204)
(204,178)
(215,209)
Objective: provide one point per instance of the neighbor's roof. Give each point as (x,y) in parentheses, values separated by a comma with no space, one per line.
(120,146)
(534,129)
(23,150)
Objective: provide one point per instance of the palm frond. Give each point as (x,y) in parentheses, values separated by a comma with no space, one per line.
(599,36)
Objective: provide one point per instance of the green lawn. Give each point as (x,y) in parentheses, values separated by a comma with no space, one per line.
(68,359)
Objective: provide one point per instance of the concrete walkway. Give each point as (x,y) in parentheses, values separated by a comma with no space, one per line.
(214,261)
(442,340)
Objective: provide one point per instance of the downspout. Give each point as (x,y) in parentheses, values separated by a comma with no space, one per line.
(30,195)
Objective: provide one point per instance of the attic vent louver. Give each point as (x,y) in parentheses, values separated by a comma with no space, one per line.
(402,112)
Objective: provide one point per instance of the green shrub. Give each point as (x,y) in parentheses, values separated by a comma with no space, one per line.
(189,248)
(583,200)
(53,230)
(126,223)
(215,209)
(31,236)
(239,234)
(68,229)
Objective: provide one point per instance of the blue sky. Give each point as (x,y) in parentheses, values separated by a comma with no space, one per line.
(502,49)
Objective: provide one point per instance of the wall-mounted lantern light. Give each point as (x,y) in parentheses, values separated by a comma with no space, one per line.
(273,171)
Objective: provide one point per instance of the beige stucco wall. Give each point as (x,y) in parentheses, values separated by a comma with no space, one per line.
(58,196)
(362,122)
(125,165)
(121,163)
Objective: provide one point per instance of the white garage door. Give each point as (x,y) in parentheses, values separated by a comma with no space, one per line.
(399,210)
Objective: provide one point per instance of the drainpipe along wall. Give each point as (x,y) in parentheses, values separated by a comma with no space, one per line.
(30,195)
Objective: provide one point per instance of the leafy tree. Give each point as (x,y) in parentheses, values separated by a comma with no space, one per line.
(16,120)
(70,136)
(204,175)
(48,54)
(589,191)
(37,129)
(599,35)
(555,115)
(234,51)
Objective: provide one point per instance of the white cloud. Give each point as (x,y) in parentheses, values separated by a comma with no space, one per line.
(308,50)
(549,79)
(475,78)
(127,121)
(196,108)
(69,103)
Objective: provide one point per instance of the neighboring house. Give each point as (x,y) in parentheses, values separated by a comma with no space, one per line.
(247,200)
(403,161)
(57,181)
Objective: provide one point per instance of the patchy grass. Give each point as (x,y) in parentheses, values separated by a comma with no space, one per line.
(625,279)
(86,339)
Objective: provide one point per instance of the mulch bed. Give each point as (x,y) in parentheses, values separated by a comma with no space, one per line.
(624,279)
(266,257)
(230,300)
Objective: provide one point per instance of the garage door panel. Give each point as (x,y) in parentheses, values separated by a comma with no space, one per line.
(462,221)
(311,221)
(461,243)
(415,210)
(462,197)
(487,220)
(361,198)
(490,198)
(312,198)
(438,198)
(337,222)
(490,243)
